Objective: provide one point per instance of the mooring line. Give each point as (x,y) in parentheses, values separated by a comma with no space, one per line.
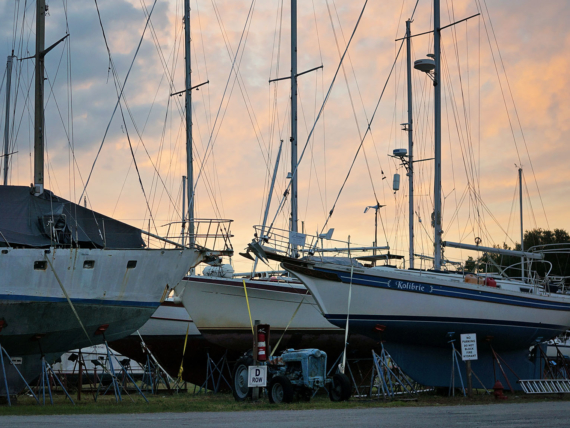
(68,299)
(183,353)
(248,309)
(288,324)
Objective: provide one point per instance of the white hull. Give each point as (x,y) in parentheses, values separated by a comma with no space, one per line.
(219,309)
(220,304)
(102,286)
(418,306)
(170,319)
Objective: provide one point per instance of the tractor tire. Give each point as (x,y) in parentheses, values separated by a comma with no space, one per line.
(280,390)
(240,389)
(340,389)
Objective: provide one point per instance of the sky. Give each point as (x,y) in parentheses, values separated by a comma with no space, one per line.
(505,105)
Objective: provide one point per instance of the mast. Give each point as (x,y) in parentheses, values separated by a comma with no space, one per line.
(39,128)
(189,154)
(522,233)
(294,218)
(410,147)
(7,119)
(437,137)
(183,208)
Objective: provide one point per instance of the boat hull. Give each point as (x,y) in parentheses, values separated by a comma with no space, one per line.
(414,314)
(219,309)
(104,287)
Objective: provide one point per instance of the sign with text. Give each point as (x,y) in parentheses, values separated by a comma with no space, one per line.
(257,376)
(296,238)
(469,347)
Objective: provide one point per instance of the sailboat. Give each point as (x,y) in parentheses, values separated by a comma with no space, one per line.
(420,314)
(216,300)
(69,276)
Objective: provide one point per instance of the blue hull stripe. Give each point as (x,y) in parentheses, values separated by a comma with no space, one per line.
(341,318)
(446,291)
(30,299)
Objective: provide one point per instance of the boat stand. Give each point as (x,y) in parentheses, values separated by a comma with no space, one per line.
(498,359)
(455,363)
(47,376)
(79,363)
(336,366)
(116,383)
(153,376)
(214,370)
(388,378)
(2,353)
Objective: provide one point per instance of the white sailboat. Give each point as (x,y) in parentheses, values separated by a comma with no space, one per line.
(419,312)
(69,276)
(217,303)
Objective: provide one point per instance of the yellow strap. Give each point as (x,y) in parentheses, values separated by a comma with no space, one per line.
(290,321)
(183,353)
(248,309)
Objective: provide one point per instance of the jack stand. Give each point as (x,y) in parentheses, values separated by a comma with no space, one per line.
(79,362)
(153,376)
(391,380)
(455,363)
(154,373)
(211,368)
(498,358)
(2,353)
(45,377)
(115,382)
(337,366)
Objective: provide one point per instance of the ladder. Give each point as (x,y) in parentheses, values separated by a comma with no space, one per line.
(545,386)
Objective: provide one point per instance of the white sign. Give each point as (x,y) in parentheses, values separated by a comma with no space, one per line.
(257,376)
(17,361)
(469,347)
(296,238)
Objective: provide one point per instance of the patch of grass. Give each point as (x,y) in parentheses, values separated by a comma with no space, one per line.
(188,402)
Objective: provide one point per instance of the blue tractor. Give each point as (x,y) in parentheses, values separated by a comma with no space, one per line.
(295,374)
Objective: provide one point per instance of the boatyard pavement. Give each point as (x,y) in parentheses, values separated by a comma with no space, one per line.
(545,414)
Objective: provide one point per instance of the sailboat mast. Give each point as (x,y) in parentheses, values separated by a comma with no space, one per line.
(39,127)
(7,119)
(294,218)
(522,230)
(437,137)
(188,104)
(410,147)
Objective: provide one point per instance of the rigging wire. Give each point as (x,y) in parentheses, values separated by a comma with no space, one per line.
(515,108)
(320,112)
(122,86)
(362,140)
(214,133)
(350,93)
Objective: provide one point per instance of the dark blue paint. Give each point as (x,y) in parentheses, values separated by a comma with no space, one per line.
(20,298)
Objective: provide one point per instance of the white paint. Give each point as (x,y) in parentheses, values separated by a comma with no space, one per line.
(257,376)
(469,347)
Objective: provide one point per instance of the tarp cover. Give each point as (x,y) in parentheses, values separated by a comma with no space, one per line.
(40,221)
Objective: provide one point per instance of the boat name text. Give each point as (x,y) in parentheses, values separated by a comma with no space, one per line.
(410,286)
